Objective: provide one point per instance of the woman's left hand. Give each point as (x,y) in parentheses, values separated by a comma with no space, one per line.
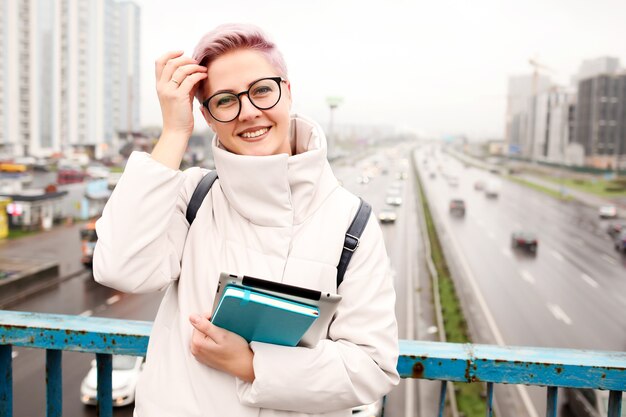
(221,349)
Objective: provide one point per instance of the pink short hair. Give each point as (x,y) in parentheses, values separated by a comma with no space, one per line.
(231,36)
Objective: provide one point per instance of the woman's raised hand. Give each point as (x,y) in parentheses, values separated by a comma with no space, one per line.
(177,79)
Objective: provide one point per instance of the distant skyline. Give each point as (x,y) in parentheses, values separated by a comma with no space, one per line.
(435,68)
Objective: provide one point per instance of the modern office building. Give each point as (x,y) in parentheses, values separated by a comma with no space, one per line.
(68,75)
(597,66)
(520,113)
(600,121)
(551,130)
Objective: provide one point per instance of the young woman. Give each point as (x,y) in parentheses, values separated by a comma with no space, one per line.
(276,212)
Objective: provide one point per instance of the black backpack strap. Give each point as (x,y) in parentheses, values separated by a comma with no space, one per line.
(351,241)
(198,195)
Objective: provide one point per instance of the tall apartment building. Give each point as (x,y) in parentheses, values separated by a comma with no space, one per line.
(520,113)
(69,76)
(600,122)
(596,66)
(127,79)
(552,128)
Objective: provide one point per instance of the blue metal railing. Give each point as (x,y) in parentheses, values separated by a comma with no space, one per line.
(551,368)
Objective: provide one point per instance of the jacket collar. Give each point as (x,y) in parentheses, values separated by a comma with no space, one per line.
(278,190)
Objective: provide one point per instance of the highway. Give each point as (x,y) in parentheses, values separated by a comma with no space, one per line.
(571,294)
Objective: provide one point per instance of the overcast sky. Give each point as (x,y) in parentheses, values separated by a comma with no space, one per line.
(437,67)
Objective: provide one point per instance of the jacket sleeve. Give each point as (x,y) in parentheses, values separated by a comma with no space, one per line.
(356,365)
(142,230)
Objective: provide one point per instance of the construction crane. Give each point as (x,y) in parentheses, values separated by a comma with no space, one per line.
(537,67)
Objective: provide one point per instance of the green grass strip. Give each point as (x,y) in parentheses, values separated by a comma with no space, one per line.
(469,396)
(18,233)
(597,186)
(549,191)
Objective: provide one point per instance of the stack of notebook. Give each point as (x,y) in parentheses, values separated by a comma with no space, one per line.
(261,317)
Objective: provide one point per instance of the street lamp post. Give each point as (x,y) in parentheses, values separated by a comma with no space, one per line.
(333,102)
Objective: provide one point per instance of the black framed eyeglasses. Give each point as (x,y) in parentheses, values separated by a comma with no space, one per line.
(263,94)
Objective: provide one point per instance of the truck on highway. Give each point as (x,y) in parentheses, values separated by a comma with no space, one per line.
(492,188)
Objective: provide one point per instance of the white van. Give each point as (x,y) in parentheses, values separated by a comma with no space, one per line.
(492,189)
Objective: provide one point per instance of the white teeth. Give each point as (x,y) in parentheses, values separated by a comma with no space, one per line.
(258,133)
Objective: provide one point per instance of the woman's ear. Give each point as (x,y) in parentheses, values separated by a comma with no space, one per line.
(289,93)
(207,117)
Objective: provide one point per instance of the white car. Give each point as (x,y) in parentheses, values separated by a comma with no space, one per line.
(98,171)
(393,200)
(387,216)
(126,370)
(492,189)
(607,212)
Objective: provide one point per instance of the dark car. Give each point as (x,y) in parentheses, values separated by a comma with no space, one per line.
(588,402)
(620,241)
(457,207)
(524,240)
(614,229)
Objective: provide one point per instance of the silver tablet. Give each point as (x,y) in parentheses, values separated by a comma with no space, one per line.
(326,302)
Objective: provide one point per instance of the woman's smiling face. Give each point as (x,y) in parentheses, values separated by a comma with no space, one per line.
(254,131)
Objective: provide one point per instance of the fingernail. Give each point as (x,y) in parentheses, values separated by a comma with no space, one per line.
(194,319)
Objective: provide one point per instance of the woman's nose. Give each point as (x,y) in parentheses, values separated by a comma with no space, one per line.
(248,111)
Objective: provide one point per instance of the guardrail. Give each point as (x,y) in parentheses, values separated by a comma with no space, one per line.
(552,368)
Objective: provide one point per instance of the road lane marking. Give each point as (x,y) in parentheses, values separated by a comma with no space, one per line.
(507,252)
(559,314)
(557,255)
(527,277)
(609,259)
(589,280)
(114,299)
(14,354)
(86,313)
(491,323)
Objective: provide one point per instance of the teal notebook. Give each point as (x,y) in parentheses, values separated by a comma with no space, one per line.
(260,317)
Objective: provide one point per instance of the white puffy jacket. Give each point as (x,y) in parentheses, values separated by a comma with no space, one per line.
(276,217)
